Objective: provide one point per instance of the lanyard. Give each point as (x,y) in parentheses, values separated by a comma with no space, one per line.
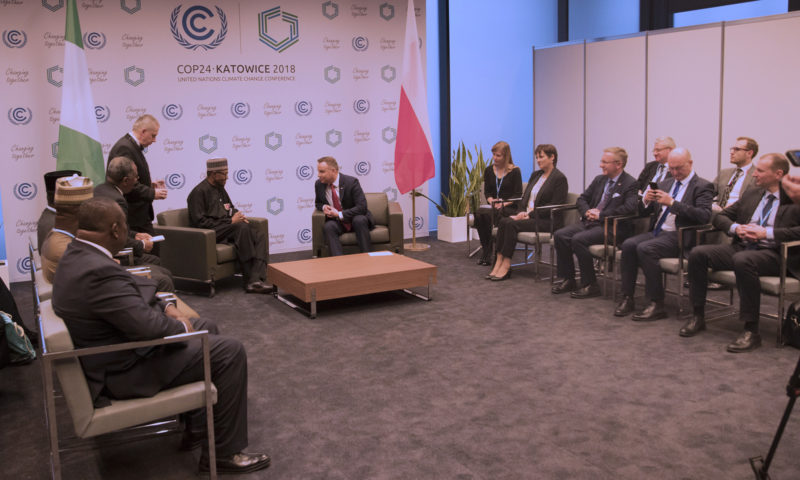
(498,182)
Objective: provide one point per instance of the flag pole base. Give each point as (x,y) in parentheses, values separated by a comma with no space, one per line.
(416,247)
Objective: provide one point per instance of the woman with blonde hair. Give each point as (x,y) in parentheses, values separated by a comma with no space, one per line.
(502,180)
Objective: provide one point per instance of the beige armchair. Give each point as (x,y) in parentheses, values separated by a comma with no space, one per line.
(59,356)
(193,253)
(387,234)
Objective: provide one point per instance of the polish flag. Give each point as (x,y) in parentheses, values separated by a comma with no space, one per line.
(413,157)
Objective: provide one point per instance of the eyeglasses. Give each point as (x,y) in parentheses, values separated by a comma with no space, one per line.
(739,149)
(658,149)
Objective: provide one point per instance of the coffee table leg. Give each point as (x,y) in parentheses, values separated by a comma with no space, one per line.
(313,303)
(419,295)
(311,313)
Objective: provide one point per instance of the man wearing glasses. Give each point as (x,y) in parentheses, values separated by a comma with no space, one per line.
(731,183)
(211,207)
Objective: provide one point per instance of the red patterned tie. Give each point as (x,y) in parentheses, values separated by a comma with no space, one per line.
(338,206)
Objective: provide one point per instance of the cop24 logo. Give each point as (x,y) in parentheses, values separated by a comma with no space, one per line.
(268,25)
(242,176)
(194,23)
(14,38)
(172,111)
(94,40)
(24,265)
(304,172)
(175,181)
(363,168)
(304,235)
(240,109)
(360,44)
(25,191)
(20,115)
(416,223)
(102,113)
(361,106)
(303,108)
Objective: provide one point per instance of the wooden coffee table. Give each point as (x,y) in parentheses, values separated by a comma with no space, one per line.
(347,276)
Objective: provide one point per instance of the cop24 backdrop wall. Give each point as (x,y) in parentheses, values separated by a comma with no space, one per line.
(270,85)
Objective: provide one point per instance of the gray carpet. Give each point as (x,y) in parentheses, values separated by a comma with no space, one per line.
(487,381)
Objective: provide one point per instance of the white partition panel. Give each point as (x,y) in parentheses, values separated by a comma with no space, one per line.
(615,101)
(558,107)
(683,92)
(761,90)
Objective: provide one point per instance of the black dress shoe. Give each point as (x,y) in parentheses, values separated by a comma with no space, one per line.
(625,307)
(257,287)
(653,311)
(567,285)
(504,277)
(695,325)
(489,277)
(589,291)
(238,463)
(747,341)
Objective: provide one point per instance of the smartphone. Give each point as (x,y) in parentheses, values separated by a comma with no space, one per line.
(794,157)
(653,186)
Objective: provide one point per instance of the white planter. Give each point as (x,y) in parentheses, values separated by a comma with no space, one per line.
(452,229)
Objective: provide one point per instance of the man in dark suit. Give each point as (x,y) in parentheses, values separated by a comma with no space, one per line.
(612,193)
(341,199)
(732,183)
(211,207)
(656,170)
(681,201)
(759,222)
(140,198)
(102,304)
(121,178)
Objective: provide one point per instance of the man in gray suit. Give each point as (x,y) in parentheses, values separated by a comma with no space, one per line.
(102,304)
(731,183)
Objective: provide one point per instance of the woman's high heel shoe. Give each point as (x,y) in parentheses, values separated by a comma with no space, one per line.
(504,277)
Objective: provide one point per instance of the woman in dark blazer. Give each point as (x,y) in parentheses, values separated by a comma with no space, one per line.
(547,186)
(501,180)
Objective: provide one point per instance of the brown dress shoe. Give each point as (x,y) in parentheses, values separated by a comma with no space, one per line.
(693,326)
(747,341)
(237,463)
(625,307)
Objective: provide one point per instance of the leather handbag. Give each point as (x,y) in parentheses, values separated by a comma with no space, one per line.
(790,329)
(20,348)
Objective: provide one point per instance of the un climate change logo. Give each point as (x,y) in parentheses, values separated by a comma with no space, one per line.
(266,33)
(360,44)
(25,191)
(102,113)
(304,172)
(361,106)
(20,115)
(14,38)
(303,108)
(175,181)
(172,111)
(94,40)
(240,109)
(242,176)
(24,265)
(416,223)
(363,168)
(193,24)
(304,235)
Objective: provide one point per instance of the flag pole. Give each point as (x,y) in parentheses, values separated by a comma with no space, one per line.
(414,246)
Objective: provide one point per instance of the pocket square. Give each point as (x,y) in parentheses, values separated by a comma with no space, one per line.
(615,195)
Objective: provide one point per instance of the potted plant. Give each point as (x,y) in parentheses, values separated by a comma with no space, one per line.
(466,181)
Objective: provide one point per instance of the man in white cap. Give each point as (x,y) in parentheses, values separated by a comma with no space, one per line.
(211,207)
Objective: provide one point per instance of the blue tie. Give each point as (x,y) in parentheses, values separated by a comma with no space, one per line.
(663,217)
(766,210)
(606,196)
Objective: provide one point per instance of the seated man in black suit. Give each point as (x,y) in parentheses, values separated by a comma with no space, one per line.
(341,199)
(759,222)
(102,304)
(612,193)
(680,201)
(211,207)
(121,177)
(656,170)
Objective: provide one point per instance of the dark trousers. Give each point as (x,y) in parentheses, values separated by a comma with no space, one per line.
(575,239)
(333,228)
(229,374)
(159,274)
(507,231)
(483,224)
(748,266)
(251,248)
(645,250)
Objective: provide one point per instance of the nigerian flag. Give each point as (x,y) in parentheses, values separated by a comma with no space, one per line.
(78,137)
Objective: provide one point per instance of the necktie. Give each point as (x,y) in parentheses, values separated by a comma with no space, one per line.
(606,196)
(663,217)
(766,210)
(660,174)
(338,206)
(723,199)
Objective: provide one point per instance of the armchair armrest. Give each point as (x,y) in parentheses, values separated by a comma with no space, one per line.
(202,335)
(681,244)
(317,235)
(396,226)
(188,252)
